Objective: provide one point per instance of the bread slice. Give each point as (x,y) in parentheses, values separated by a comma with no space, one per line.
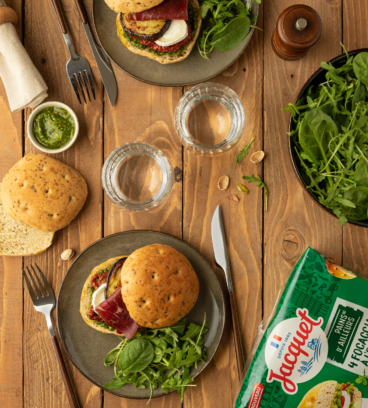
(132,6)
(86,299)
(20,239)
(162,59)
(357,398)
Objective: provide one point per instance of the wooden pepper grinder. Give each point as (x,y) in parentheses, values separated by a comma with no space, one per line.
(298,29)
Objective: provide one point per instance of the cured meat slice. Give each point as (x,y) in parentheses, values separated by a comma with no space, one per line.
(167,10)
(114,312)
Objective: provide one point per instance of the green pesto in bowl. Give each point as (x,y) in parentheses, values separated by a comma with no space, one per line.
(53,127)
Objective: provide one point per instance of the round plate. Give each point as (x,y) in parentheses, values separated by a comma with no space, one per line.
(192,70)
(317,78)
(87,347)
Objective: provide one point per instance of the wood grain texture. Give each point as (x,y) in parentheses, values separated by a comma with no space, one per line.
(355,36)
(294,221)
(11,280)
(144,113)
(243,227)
(43,386)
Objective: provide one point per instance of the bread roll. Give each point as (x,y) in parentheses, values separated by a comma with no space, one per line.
(132,6)
(20,239)
(43,192)
(159,286)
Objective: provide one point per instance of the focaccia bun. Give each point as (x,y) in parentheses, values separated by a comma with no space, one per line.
(162,59)
(320,396)
(132,6)
(20,239)
(43,192)
(86,299)
(159,286)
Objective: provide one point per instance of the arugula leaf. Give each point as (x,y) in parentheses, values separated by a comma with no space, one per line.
(244,151)
(260,184)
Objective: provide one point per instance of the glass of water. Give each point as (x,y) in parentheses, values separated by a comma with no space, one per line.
(137,176)
(210,119)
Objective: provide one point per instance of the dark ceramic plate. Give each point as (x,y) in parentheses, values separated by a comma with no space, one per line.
(192,70)
(317,78)
(87,347)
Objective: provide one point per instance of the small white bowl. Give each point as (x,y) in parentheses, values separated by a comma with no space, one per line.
(36,111)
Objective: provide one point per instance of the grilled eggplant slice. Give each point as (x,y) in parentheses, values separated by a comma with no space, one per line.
(150,30)
(113,281)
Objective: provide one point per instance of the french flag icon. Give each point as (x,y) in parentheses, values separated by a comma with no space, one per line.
(277,338)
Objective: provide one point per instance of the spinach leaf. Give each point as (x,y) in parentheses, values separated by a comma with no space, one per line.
(232,35)
(361,173)
(359,95)
(360,66)
(136,356)
(316,130)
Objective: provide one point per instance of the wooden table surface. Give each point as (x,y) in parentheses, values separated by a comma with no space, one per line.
(263,246)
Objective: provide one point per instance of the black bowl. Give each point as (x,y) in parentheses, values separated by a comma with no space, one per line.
(317,78)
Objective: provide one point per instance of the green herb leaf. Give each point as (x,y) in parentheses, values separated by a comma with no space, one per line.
(260,184)
(244,151)
(136,356)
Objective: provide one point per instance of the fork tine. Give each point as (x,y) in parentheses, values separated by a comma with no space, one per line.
(74,85)
(90,80)
(30,289)
(45,281)
(38,294)
(85,84)
(80,87)
(40,287)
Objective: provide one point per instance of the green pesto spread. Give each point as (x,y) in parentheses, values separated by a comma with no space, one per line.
(53,127)
(193,22)
(336,402)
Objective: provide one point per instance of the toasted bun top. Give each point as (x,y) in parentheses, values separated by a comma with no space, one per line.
(132,6)
(159,286)
(43,192)
(86,299)
(320,396)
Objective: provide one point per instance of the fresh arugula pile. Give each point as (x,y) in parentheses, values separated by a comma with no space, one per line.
(229,24)
(158,357)
(331,138)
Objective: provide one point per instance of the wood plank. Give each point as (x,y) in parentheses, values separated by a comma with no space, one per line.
(11,281)
(218,385)
(355,36)
(294,220)
(43,386)
(144,113)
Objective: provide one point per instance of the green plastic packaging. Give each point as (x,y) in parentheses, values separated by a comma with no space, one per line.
(314,351)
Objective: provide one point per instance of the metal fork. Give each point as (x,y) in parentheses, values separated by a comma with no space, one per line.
(77,67)
(43,299)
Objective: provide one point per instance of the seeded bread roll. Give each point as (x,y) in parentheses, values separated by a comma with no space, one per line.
(43,192)
(20,239)
(132,6)
(159,286)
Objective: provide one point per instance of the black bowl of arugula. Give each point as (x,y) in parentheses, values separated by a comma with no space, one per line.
(328,137)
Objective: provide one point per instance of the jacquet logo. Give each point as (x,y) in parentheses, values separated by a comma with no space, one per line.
(296,351)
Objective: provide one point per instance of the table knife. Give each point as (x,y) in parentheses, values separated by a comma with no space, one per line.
(102,60)
(222,260)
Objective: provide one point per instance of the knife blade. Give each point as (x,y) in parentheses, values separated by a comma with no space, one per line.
(104,66)
(222,260)
(219,246)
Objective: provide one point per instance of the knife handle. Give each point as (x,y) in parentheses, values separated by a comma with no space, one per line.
(237,338)
(82,11)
